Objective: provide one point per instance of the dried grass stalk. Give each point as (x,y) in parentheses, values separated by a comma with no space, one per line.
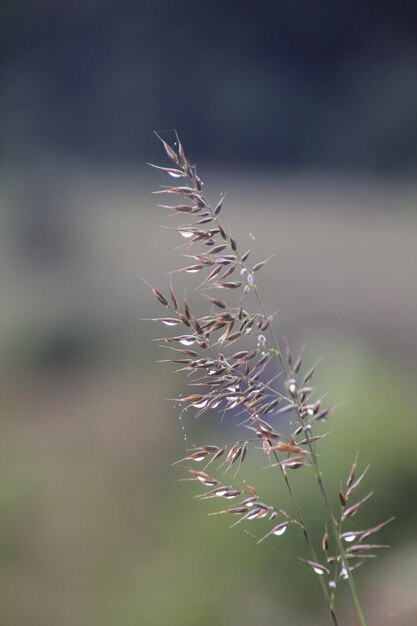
(231,378)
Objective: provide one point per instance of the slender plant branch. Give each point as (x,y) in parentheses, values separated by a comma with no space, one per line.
(326,500)
(235,381)
(284,473)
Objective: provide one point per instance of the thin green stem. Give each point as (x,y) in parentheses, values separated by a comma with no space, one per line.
(286,480)
(330,514)
(307,539)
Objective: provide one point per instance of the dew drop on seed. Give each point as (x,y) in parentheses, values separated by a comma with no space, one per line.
(318,571)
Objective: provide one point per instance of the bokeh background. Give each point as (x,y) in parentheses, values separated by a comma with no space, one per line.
(306,114)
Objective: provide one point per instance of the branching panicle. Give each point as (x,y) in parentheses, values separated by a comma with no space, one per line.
(230,375)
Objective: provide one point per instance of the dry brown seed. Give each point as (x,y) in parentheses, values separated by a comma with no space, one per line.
(176,190)
(181,155)
(233,450)
(267,322)
(196,456)
(186,352)
(237,510)
(169,170)
(258,266)
(352,510)
(277,530)
(287,408)
(236,454)
(264,358)
(311,439)
(197,326)
(309,375)
(232,285)
(227,273)
(325,542)
(365,546)
(170,152)
(342,498)
(250,489)
(234,336)
(233,493)
(187,309)
(184,319)
(219,491)
(204,220)
(218,249)
(253,514)
(317,567)
(264,426)
(200,201)
(212,274)
(222,260)
(351,535)
(248,502)
(193,398)
(323,415)
(266,446)
(218,207)
(375,529)
(222,233)
(287,447)
(293,463)
(191,269)
(250,356)
(354,486)
(185,232)
(217,455)
(203,477)
(168,321)
(351,476)
(269,407)
(173,298)
(158,295)
(200,259)
(218,302)
(180,208)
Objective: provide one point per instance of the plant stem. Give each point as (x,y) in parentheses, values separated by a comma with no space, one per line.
(330,514)
(308,539)
(287,483)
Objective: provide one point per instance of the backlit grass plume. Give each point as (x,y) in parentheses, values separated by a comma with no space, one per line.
(227,354)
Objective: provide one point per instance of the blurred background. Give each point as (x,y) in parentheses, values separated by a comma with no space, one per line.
(305,113)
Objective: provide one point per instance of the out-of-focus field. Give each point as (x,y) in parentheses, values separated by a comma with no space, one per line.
(94,528)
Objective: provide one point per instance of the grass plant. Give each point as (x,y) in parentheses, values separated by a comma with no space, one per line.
(237,364)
